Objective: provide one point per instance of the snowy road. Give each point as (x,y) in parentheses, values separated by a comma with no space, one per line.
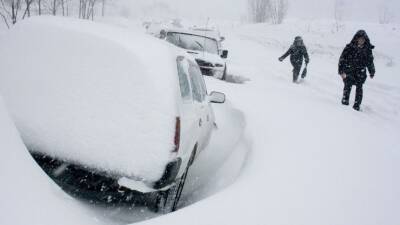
(312,161)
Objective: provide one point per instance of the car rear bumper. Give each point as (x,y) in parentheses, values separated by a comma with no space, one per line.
(97,187)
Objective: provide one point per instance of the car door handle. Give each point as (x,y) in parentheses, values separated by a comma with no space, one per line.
(200,122)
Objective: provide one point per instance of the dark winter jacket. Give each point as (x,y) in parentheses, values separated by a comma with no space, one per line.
(297,52)
(354,60)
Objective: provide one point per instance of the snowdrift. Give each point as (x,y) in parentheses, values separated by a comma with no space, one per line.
(93,94)
(29,196)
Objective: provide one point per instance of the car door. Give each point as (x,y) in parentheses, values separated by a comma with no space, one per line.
(189,111)
(207,109)
(200,97)
(208,112)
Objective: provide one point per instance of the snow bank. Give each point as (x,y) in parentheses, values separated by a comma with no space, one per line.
(220,164)
(93,94)
(28,195)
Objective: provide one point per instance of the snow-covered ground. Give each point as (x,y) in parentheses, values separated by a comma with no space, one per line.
(312,160)
(284,153)
(28,195)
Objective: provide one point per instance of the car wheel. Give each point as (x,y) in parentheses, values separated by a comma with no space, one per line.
(167,201)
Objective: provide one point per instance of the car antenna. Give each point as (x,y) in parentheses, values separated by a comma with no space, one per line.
(205,35)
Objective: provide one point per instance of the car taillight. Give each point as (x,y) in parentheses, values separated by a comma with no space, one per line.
(177,138)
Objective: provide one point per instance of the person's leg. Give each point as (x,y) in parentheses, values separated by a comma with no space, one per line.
(346,91)
(359,96)
(304,73)
(296,72)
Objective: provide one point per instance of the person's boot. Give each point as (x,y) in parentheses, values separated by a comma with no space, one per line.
(356,107)
(359,97)
(295,77)
(346,94)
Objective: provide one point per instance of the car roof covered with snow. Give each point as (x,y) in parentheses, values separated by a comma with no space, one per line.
(203,33)
(92,94)
(156,28)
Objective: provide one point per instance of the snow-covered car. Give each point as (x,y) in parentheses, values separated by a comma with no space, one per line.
(204,44)
(109,114)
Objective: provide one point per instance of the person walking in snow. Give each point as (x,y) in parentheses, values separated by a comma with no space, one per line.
(356,58)
(297,52)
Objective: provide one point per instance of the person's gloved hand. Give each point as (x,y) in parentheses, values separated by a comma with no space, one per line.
(280,59)
(372,75)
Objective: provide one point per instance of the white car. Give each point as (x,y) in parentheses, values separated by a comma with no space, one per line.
(204,44)
(107,118)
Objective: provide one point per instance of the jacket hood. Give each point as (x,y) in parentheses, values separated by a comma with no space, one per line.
(362,33)
(298,41)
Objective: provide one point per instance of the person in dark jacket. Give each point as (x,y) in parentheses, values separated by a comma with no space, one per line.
(356,58)
(297,52)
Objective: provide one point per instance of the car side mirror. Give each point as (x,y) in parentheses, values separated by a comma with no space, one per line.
(224,54)
(216,97)
(222,39)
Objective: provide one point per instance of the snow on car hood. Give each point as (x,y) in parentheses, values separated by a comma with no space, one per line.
(208,57)
(91,94)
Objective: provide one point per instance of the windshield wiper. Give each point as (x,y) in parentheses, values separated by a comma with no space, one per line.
(201,46)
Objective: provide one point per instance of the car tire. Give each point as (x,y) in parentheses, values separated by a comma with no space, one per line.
(167,201)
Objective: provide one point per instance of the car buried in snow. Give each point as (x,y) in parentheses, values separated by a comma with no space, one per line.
(204,44)
(116,123)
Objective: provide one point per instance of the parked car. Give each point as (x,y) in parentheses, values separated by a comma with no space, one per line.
(204,44)
(107,120)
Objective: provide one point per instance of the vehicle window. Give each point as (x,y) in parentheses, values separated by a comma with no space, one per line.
(194,68)
(198,86)
(193,42)
(183,78)
(203,84)
(173,39)
(197,70)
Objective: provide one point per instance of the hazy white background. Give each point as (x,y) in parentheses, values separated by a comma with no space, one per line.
(358,10)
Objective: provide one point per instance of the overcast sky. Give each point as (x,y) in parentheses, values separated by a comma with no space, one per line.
(360,10)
